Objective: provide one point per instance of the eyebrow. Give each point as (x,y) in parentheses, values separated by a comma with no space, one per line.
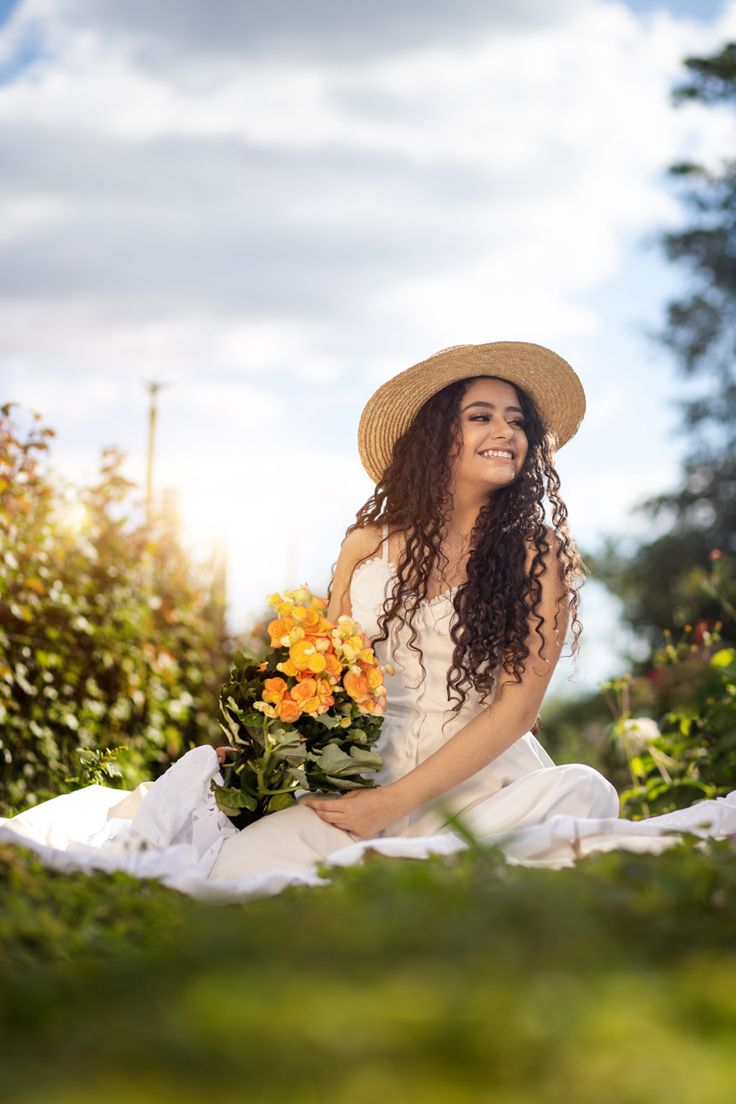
(492,406)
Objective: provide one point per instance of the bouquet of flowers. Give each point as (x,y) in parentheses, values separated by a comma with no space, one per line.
(306,716)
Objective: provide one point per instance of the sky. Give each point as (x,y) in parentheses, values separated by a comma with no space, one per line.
(272,209)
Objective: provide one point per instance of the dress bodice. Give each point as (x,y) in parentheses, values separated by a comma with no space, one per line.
(408,688)
(419,716)
(419,712)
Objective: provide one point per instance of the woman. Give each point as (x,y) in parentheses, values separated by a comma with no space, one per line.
(463,496)
(462,586)
(461,483)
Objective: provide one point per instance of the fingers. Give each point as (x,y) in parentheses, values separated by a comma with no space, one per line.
(328,811)
(334,819)
(323,804)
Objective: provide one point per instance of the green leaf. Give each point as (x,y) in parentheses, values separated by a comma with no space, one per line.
(280,801)
(328,720)
(336,762)
(232,800)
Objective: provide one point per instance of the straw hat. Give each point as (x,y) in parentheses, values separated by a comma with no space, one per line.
(545,376)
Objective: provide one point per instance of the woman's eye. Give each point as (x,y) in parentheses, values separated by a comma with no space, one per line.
(485,417)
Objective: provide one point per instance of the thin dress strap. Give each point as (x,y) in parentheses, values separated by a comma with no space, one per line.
(384,553)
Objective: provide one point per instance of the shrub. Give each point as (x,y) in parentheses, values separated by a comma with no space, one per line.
(108,635)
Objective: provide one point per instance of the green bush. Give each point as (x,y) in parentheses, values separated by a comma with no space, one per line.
(691,754)
(664,734)
(109,638)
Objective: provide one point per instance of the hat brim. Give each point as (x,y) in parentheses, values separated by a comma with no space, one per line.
(547,378)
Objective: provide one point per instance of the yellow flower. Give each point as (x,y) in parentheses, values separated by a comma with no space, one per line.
(352,647)
(375,678)
(300,653)
(287,668)
(275,688)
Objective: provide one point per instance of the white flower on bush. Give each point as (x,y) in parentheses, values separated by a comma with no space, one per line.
(638,732)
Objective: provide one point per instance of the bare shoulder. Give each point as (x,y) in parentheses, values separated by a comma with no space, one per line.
(362,542)
(359,545)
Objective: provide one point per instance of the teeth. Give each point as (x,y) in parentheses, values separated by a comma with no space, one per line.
(498,452)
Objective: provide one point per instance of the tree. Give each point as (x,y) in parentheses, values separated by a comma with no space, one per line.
(656,582)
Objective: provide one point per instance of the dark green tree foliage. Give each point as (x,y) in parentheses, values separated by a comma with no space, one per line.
(108,638)
(699,516)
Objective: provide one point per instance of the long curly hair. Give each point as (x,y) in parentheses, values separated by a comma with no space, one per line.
(500,598)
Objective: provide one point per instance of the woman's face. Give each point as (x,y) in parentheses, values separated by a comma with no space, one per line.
(494,444)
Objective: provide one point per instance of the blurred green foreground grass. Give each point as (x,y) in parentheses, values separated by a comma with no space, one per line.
(446,980)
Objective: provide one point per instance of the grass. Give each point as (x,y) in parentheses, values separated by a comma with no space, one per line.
(452,980)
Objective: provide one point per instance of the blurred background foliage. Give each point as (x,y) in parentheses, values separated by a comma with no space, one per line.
(678,589)
(659,582)
(111,637)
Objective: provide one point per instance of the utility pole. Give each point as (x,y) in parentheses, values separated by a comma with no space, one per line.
(153,390)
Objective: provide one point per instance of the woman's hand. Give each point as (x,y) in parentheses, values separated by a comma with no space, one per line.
(363,813)
(221,753)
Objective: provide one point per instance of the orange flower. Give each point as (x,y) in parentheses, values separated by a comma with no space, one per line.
(313,695)
(305,693)
(305,657)
(333,666)
(309,618)
(288,710)
(279,628)
(287,668)
(356,686)
(275,688)
(325,695)
(375,678)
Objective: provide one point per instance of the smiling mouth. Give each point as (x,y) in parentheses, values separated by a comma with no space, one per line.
(497,455)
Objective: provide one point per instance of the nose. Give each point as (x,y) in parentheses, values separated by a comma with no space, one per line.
(501,428)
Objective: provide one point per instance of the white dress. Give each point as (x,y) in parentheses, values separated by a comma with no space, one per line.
(538,813)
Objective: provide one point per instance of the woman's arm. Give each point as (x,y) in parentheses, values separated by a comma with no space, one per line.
(512,713)
(358,544)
